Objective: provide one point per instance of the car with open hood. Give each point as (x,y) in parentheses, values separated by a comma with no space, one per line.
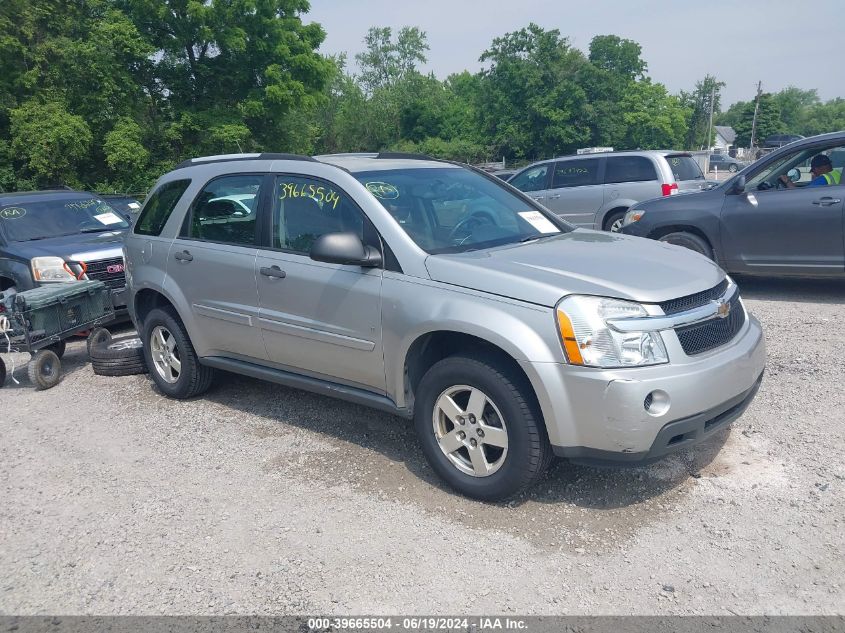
(440,294)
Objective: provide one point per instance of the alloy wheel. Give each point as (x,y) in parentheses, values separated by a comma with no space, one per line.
(470,430)
(165,354)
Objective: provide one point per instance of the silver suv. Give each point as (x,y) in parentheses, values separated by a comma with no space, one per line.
(436,292)
(596,190)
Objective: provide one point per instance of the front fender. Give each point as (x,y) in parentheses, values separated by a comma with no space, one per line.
(18,272)
(412,308)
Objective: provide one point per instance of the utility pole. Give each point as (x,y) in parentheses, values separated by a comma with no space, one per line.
(756,109)
(710,124)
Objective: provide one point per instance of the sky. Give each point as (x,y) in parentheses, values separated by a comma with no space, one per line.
(741,42)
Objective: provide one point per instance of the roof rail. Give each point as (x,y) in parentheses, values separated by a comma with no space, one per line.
(225,158)
(406,155)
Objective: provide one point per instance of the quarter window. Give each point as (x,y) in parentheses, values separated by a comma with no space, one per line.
(629,169)
(306,208)
(576,173)
(226,210)
(159,206)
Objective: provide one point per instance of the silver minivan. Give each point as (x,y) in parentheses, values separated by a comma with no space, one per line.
(595,190)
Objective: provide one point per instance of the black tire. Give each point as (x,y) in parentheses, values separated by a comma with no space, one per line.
(45,369)
(97,337)
(123,356)
(612,219)
(58,348)
(528,451)
(2,373)
(690,241)
(193,378)
(733,168)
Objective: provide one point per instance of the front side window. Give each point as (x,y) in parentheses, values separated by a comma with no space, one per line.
(226,210)
(797,167)
(159,206)
(532,179)
(57,217)
(450,209)
(629,169)
(576,173)
(305,208)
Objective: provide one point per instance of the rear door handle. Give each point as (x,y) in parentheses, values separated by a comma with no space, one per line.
(184,256)
(273,271)
(554,197)
(827,201)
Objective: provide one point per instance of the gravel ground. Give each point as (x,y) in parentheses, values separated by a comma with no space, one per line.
(261,499)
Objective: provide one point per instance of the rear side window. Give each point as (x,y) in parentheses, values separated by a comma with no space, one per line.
(629,169)
(226,209)
(159,206)
(576,173)
(684,167)
(532,179)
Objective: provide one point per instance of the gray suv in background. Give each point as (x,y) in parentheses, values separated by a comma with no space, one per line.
(438,293)
(596,190)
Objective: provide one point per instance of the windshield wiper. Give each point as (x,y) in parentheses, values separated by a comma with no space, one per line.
(100,230)
(537,237)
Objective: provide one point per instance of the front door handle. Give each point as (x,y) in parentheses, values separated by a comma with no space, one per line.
(538,198)
(273,271)
(184,256)
(827,201)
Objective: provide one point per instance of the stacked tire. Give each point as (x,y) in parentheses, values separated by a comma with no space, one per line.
(123,356)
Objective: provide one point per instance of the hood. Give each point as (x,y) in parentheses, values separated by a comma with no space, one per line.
(80,247)
(580,262)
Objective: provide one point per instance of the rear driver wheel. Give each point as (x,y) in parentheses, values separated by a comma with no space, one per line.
(170,357)
(613,222)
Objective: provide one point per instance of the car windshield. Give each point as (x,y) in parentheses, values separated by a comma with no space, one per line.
(450,210)
(684,167)
(26,221)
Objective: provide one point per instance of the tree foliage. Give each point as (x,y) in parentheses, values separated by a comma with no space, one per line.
(112,93)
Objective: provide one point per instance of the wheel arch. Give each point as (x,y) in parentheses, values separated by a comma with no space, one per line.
(618,205)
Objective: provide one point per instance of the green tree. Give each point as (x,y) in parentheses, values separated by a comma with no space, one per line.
(768,121)
(50,143)
(793,104)
(533,103)
(618,56)
(699,103)
(820,118)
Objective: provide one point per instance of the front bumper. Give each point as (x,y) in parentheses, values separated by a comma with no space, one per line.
(600,415)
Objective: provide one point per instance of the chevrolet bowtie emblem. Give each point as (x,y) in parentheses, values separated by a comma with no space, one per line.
(723,308)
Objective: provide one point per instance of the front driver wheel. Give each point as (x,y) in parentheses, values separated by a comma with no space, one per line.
(173,364)
(479,427)
(690,241)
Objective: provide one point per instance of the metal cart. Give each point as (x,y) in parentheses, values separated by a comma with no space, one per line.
(38,321)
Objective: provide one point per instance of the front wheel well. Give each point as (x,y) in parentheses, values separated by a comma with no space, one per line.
(432,347)
(610,214)
(146,301)
(6,283)
(680,228)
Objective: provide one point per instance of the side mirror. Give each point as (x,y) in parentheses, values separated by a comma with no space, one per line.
(794,175)
(344,248)
(738,185)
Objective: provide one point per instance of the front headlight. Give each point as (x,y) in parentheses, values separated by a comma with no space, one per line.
(50,269)
(633,215)
(588,340)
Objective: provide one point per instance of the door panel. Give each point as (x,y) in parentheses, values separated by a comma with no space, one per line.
(212,262)
(322,319)
(791,231)
(317,318)
(576,194)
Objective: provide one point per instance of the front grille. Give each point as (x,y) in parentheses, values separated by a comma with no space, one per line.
(697,300)
(702,337)
(114,279)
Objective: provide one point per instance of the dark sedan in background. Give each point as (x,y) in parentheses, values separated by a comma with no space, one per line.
(755,223)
